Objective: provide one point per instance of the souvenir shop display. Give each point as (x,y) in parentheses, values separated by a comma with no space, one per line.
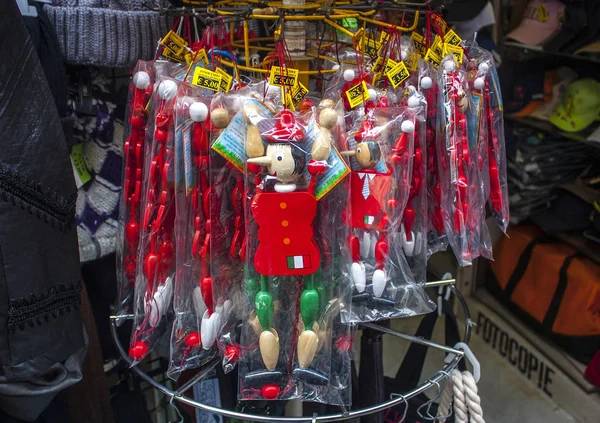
(279,189)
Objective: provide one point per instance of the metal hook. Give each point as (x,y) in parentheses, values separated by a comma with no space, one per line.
(431,401)
(394,396)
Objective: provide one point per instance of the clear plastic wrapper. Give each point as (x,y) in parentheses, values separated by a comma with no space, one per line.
(485,79)
(380,150)
(429,85)
(293,280)
(196,322)
(414,227)
(128,233)
(459,154)
(156,264)
(227,235)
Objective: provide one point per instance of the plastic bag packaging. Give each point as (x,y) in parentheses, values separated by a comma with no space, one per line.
(380,149)
(486,80)
(128,233)
(414,227)
(463,203)
(429,84)
(291,254)
(227,233)
(156,253)
(194,328)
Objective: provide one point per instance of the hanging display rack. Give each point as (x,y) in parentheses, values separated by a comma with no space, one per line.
(395,399)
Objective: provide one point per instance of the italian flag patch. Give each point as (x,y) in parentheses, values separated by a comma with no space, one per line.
(298,262)
(368,220)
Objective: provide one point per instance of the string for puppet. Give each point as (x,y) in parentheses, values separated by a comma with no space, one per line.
(159,47)
(188,29)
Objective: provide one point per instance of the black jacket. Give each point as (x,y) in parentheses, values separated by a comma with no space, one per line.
(41,334)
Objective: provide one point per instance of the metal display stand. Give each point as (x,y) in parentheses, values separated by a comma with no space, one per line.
(396,399)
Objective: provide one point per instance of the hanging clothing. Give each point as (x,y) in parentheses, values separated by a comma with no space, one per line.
(42,344)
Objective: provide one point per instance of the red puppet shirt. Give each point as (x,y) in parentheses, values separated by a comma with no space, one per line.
(368,192)
(286,245)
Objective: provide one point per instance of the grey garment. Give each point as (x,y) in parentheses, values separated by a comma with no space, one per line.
(27,399)
(107,33)
(41,330)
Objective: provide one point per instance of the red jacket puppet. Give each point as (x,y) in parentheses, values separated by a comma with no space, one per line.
(373,203)
(284,214)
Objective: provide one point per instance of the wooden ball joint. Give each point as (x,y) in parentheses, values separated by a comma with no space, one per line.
(219,117)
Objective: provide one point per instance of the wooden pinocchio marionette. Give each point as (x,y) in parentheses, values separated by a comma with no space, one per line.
(284,213)
(373,208)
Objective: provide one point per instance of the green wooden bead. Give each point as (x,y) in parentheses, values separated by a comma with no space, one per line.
(251,287)
(264,309)
(309,307)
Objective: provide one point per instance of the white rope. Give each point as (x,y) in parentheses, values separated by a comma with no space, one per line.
(462,393)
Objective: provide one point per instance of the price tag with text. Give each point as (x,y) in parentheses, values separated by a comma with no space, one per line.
(283,77)
(226,80)
(437,46)
(452,38)
(358,94)
(457,51)
(205,78)
(174,42)
(419,42)
(433,58)
(398,74)
(174,57)
(378,65)
(389,65)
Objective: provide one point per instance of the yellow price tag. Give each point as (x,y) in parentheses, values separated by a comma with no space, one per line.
(398,74)
(412,62)
(298,93)
(283,77)
(452,38)
(433,58)
(175,57)
(378,65)
(437,46)
(358,94)
(205,78)
(226,80)
(389,65)
(457,51)
(174,42)
(419,42)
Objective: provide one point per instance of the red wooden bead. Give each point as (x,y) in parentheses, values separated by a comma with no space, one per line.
(193,340)
(270,391)
(150,265)
(132,235)
(232,353)
(137,121)
(343,344)
(161,136)
(206,289)
(138,350)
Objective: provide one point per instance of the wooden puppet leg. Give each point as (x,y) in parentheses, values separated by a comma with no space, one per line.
(309,310)
(359,276)
(381,254)
(269,339)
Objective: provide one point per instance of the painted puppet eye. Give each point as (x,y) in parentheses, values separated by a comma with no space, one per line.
(358,150)
(279,157)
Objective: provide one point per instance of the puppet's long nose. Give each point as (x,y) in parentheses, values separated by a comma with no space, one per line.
(263,161)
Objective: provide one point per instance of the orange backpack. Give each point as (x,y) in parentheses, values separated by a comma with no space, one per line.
(550,286)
